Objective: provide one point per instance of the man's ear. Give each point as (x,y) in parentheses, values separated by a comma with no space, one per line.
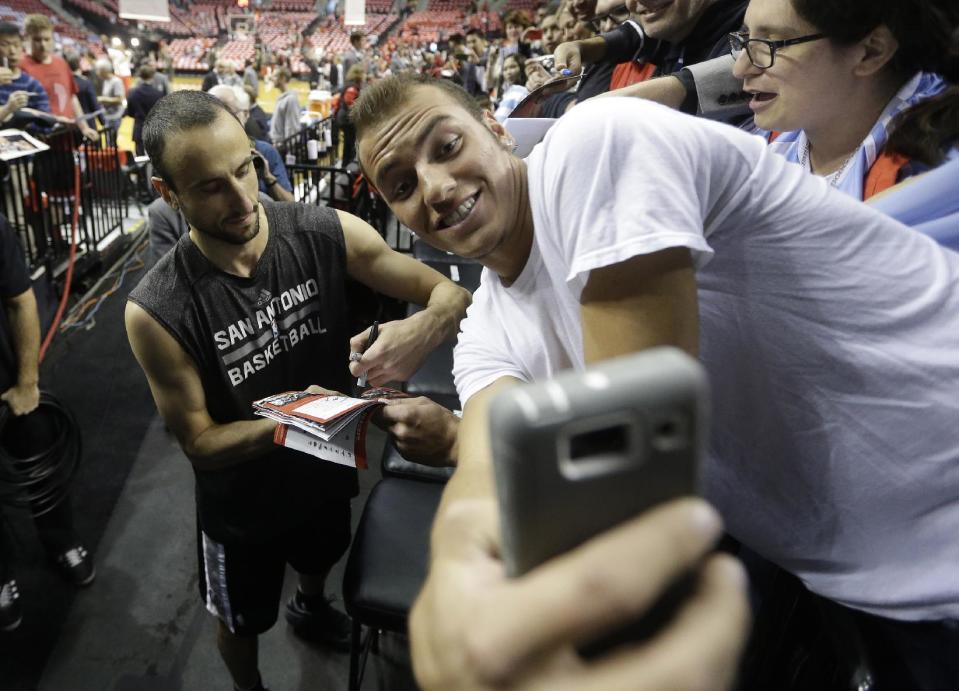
(876,50)
(161,186)
(498,130)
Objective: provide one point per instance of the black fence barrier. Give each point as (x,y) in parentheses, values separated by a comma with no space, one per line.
(312,145)
(310,158)
(39,195)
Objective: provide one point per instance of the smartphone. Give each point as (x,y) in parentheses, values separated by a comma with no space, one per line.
(585,451)
(258,163)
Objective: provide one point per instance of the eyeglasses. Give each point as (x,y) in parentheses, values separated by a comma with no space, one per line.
(617,16)
(760,51)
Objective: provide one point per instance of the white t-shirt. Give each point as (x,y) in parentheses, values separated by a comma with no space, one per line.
(830,333)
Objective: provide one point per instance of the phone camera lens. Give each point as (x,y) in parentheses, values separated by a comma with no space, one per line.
(670,433)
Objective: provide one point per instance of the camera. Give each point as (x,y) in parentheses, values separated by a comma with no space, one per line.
(547,61)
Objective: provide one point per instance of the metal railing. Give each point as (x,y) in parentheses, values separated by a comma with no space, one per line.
(310,156)
(312,145)
(38,196)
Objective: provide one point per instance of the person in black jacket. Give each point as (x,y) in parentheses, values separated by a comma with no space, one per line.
(140,101)
(258,124)
(85,90)
(672,36)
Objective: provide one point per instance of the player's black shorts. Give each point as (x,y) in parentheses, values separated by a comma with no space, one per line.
(241,583)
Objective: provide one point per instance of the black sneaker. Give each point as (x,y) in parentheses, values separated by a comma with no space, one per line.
(76,566)
(10,612)
(315,619)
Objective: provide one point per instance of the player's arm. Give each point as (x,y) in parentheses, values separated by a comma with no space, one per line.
(646,301)
(178,392)
(402,345)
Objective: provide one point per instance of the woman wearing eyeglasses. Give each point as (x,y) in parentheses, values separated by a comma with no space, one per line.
(836,79)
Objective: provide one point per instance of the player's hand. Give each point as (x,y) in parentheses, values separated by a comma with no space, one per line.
(22,399)
(424,431)
(473,629)
(399,350)
(568,56)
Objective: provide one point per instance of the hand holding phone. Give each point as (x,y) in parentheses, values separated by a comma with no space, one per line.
(586,451)
(259,163)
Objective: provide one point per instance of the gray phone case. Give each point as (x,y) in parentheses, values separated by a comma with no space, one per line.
(585,451)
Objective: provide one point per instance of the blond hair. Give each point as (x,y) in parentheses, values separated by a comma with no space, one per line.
(356,73)
(35,23)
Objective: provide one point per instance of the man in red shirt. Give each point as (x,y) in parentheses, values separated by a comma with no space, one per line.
(53,73)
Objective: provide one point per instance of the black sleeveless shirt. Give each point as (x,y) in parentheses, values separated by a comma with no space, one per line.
(281,329)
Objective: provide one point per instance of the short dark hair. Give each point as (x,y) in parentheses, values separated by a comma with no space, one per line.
(356,37)
(476,32)
(178,112)
(73,60)
(922,28)
(385,97)
(9,29)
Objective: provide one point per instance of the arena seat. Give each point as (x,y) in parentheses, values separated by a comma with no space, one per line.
(388,562)
(928,203)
